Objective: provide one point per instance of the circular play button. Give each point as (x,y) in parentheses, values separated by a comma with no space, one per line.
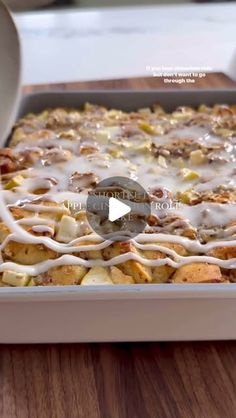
(118,208)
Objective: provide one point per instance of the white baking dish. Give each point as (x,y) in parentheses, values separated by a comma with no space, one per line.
(119,313)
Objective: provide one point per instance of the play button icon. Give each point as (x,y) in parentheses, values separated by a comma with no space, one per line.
(118,208)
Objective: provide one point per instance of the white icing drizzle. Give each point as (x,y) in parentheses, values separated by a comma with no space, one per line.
(198,134)
(72,260)
(42,229)
(35,220)
(210,214)
(139,166)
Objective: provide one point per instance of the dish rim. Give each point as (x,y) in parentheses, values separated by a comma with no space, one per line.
(118,292)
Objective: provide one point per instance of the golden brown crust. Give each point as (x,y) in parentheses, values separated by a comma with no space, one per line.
(139,272)
(198,273)
(62,275)
(224,253)
(27,254)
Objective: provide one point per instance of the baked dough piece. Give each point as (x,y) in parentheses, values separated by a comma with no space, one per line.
(118,277)
(162,274)
(27,254)
(63,275)
(198,273)
(139,272)
(224,253)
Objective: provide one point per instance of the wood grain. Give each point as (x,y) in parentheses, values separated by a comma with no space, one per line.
(145,380)
(213,80)
(141,380)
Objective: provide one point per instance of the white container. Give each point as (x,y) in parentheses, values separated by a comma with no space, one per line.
(149,312)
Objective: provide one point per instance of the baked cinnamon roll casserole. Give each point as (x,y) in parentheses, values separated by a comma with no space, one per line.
(55,158)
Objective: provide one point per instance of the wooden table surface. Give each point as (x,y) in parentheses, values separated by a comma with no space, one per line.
(139,380)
